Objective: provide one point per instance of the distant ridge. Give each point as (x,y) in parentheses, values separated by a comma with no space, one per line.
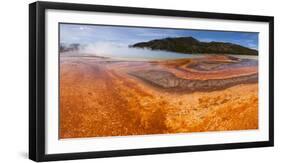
(191,45)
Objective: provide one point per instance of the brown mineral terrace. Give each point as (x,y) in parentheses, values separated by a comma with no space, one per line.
(108,97)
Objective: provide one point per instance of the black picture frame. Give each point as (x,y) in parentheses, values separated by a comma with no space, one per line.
(37,80)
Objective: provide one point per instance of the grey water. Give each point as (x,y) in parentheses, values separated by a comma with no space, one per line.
(129,53)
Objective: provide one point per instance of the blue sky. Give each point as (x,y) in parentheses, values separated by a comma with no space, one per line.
(124,36)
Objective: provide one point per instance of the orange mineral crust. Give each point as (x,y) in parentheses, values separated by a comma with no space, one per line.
(109,97)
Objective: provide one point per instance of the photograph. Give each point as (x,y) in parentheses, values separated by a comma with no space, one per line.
(112,81)
(136,80)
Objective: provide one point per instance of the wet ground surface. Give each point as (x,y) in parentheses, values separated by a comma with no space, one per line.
(103,97)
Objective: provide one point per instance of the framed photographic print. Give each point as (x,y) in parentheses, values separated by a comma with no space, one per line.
(111,81)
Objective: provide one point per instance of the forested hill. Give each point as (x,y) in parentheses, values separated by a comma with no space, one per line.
(191,45)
